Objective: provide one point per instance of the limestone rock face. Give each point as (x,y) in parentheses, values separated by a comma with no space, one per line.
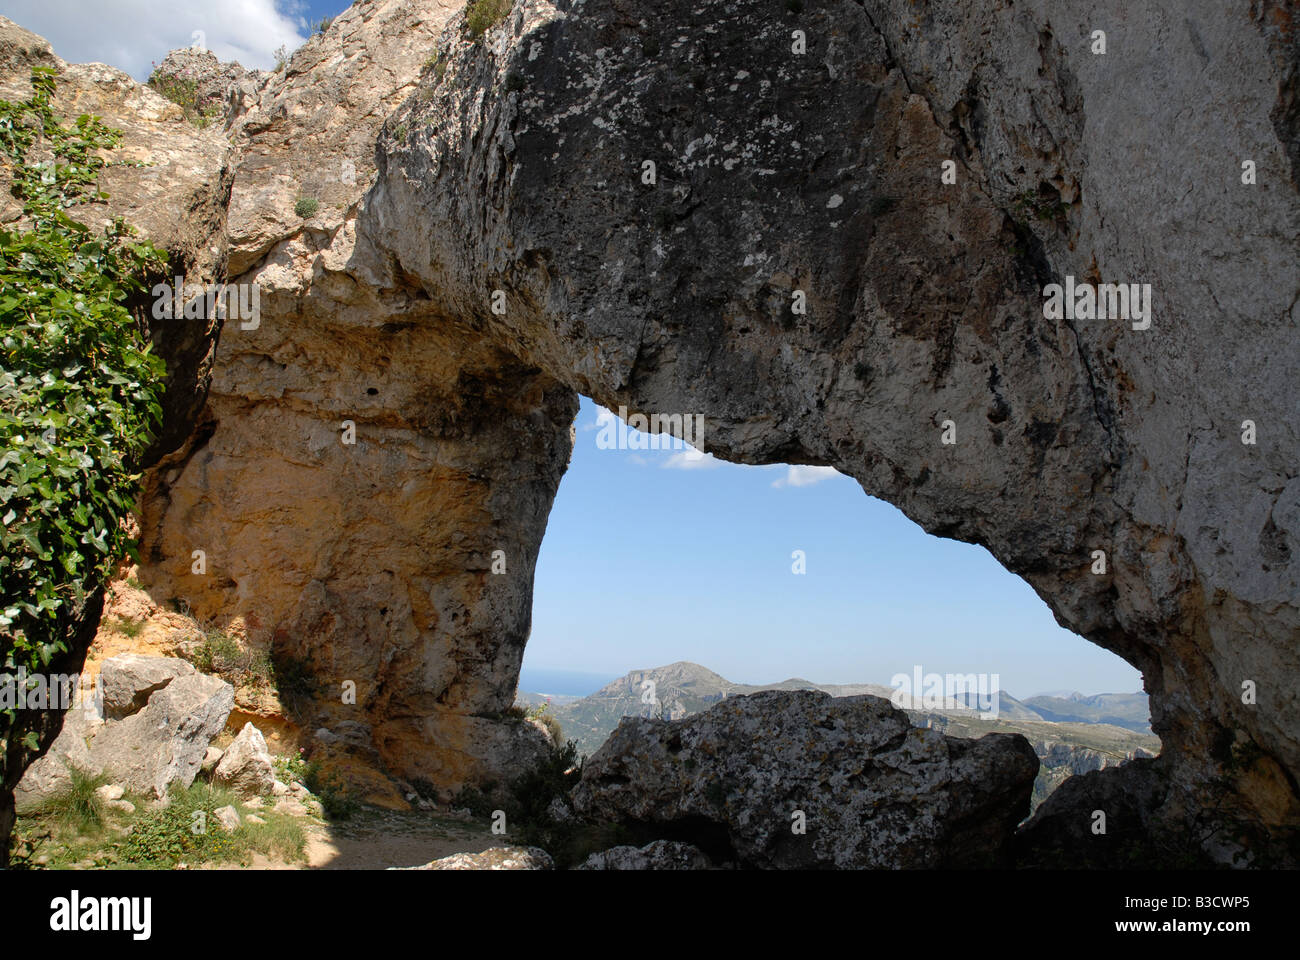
(865,787)
(371,479)
(816,178)
(246,764)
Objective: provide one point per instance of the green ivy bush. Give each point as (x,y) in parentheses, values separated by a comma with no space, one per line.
(79,392)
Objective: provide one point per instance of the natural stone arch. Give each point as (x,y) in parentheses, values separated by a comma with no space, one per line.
(925,305)
(926,299)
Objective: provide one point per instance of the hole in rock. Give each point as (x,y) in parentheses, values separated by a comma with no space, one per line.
(669,580)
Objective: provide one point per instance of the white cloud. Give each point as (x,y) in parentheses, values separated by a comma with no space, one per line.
(133,34)
(797,475)
(692,460)
(603,416)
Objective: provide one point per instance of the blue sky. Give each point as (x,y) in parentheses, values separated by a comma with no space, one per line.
(134,34)
(645,563)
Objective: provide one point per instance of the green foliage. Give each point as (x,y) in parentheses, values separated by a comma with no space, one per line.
(483,15)
(321,25)
(281,58)
(221,654)
(79,806)
(291,767)
(306,207)
(438,64)
(1047,208)
(79,387)
(162,837)
(184,92)
(128,628)
(335,799)
(542,714)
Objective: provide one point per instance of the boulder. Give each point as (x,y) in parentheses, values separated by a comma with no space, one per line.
(211,757)
(109,792)
(246,765)
(659,855)
(129,680)
(50,776)
(165,742)
(227,818)
(494,858)
(800,779)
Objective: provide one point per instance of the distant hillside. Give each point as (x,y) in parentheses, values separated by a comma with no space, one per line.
(1128,710)
(1072,734)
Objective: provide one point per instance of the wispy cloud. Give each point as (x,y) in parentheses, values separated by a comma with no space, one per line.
(692,460)
(797,475)
(603,416)
(132,34)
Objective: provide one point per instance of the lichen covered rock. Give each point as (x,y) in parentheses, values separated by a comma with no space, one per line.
(801,779)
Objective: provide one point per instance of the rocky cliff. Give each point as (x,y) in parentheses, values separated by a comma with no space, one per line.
(830,228)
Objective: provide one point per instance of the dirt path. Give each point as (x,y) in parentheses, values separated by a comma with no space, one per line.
(377,839)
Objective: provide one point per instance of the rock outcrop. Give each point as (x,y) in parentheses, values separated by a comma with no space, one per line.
(160,738)
(128,681)
(801,779)
(784,177)
(494,858)
(659,855)
(246,765)
(454,236)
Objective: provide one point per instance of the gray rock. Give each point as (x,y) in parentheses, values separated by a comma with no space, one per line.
(494,858)
(246,764)
(211,757)
(227,818)
(165,742)
(110,791)
(129,680)
(559,810)
(50,777)
(868,788)
(659,855)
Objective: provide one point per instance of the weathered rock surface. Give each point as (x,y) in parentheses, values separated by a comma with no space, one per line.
(165,742)
(779,172)
(494,858)
(50,776)
(210,78)
(162,742)
(227,818)
(659,855)
(129,680)
(515,164)
(288,509)
(868,788)
(246,764)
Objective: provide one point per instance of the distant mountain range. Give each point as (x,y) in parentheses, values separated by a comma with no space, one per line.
(1071,733)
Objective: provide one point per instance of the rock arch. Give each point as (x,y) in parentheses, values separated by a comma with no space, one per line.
(514,164)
